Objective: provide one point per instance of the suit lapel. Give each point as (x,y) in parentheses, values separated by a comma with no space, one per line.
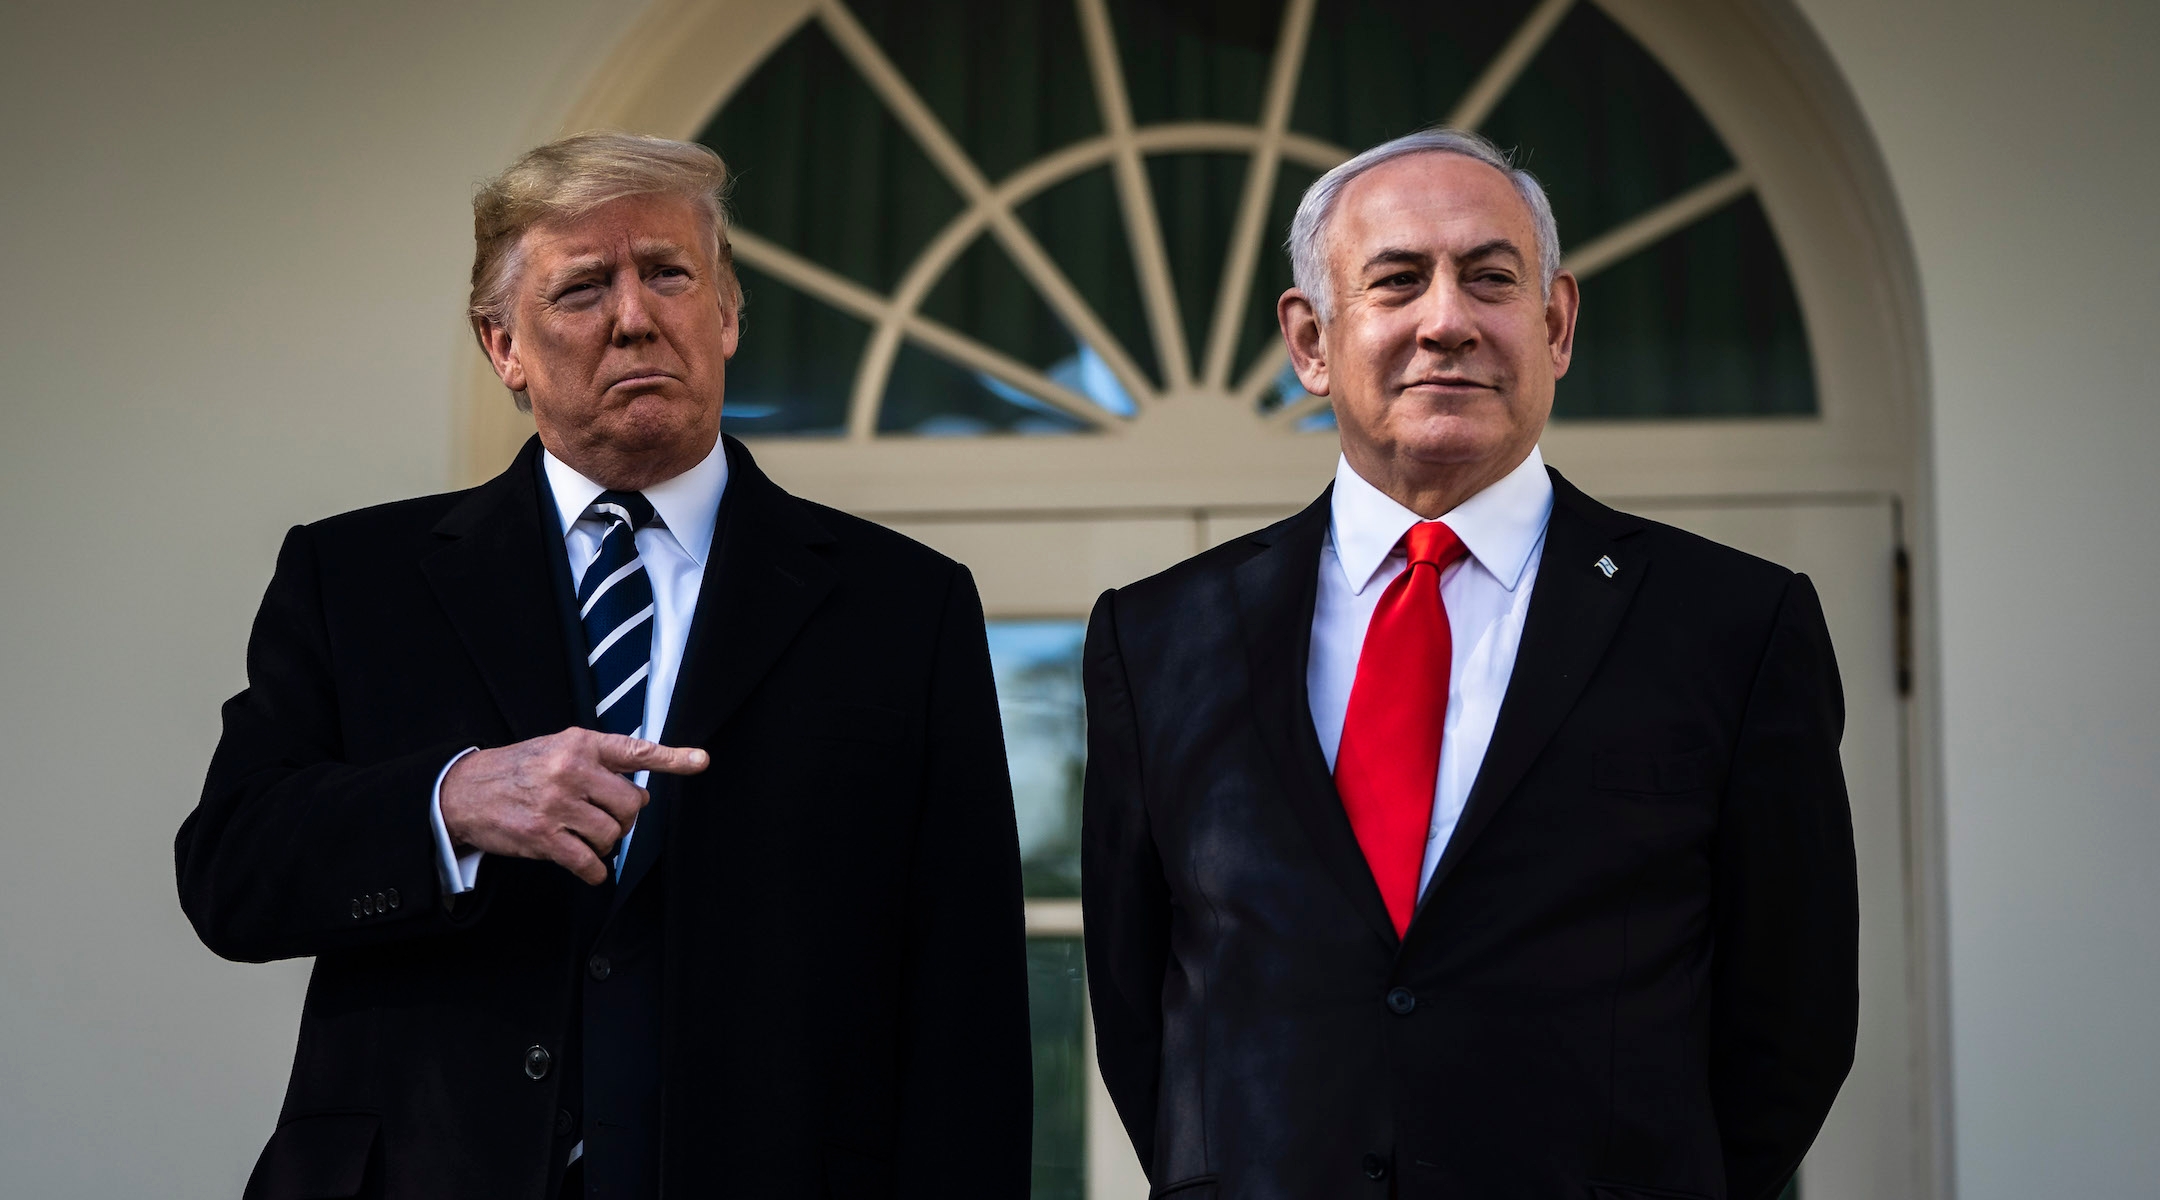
(1276,589)
(761,584)
(1574,613)
(493,583)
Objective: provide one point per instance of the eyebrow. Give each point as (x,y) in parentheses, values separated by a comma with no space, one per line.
(1399,254)
(650,248)
(583,265)
(1500,246)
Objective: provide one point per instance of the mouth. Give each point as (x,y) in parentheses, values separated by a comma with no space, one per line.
(641,380)
(1449,384)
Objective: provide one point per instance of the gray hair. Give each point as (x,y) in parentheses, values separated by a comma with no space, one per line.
(566,179)
(1308,229)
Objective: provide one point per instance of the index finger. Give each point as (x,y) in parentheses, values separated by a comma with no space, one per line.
(620,752)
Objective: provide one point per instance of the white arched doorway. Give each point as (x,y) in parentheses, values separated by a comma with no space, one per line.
(1166,429)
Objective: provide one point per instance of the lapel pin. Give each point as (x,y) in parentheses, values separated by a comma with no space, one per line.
(1607,565)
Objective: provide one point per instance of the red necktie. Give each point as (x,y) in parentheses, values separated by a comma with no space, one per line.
(1389,758)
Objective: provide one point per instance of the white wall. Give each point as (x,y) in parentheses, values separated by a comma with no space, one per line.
(235,240)
(2020,139)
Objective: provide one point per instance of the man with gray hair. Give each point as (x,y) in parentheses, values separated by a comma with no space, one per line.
(1461,836)
(649,827)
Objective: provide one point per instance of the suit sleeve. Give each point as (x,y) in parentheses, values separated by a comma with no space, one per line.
(1125,899)
(292,851)
(1785,990)
(966,1064)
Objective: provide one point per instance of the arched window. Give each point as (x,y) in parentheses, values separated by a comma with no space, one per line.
(971,216)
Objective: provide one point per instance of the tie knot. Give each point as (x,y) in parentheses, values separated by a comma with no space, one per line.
(630,507)
(1434,543)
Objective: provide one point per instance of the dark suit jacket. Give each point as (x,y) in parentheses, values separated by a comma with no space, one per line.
(832,918)
(1633,972)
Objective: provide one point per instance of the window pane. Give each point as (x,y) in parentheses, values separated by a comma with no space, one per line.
(1702,324)
(1196,199)
(1082,228)
(1376,69)
(1057,1005)
(1604,127)
(1196,60)
(1037,667)
(929,396)
(822,168)
(1006,80)
(793,376)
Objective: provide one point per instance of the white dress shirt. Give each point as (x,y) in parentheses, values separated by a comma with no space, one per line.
(674,549)
(1487,593)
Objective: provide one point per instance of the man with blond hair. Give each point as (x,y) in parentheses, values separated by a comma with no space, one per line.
(649,826)
(1461,836)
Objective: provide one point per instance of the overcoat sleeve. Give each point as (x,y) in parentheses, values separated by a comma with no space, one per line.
(1785,986)
(966,1097)
(1124,896)
(291,850)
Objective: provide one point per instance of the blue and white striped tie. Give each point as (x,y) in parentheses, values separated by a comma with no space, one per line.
(615,604)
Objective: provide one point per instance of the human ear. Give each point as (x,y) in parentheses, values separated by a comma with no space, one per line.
(1301,333)
(1560,311)
(502,352)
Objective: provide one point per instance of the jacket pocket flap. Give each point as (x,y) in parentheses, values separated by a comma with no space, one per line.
(1623,771)
(321,1157)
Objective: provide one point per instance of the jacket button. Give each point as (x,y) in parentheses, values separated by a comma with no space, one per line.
(393,898)
(537,1060)
(367,905)
(1375,1167)
(1401,1001)
(356,910)
(598,967)
(564,1122)
(382,902)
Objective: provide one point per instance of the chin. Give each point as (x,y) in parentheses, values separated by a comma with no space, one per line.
(655,420)
(1449,439)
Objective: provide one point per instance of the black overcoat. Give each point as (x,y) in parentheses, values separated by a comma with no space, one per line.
(829,921)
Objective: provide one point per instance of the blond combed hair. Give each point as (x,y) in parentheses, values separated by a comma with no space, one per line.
(567,178)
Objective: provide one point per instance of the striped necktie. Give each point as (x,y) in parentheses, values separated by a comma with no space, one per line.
(615,605)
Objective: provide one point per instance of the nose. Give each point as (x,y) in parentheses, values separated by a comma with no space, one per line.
(633,320)
(1446,322)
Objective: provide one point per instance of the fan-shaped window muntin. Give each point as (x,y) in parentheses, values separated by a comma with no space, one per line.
(897,288)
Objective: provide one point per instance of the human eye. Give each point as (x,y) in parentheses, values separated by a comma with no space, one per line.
(1396,281)
(575,293)
(1492,280)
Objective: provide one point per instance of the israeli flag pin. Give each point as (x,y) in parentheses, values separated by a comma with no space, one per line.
(1607,565)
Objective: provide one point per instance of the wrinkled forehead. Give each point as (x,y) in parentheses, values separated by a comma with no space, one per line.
(631,229)
(1436,203)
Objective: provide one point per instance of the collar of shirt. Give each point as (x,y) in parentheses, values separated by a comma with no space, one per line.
(1500,526)
(688,505)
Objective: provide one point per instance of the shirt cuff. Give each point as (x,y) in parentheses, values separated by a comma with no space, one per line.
(458,873)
